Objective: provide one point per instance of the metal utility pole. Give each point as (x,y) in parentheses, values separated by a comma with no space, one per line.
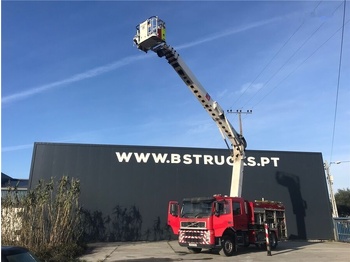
(330,188)
(240,112)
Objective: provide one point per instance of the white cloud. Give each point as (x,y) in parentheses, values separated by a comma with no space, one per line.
(251,88)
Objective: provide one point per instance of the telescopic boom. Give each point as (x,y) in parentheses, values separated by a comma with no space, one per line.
(150,36)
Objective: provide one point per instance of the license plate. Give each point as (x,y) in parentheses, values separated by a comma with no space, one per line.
(192,244)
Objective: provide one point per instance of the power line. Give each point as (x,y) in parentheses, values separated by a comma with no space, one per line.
(296,68)
(338,82)
(285,43)
(285,63)
(273,58)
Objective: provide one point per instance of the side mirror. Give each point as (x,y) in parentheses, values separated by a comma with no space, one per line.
(217,209)
(174,209)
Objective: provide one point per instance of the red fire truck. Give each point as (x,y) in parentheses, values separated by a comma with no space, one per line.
(223,223)
(220,222)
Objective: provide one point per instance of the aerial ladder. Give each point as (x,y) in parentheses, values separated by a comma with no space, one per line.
(150,36)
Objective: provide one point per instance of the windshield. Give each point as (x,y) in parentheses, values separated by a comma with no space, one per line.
(197,209)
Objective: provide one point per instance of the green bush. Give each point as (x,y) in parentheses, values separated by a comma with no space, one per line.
(47,220)
(342,198)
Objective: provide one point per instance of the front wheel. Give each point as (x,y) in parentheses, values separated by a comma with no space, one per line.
(229,247)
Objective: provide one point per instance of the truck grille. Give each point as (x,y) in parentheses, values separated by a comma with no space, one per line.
(194,236)
(189,224)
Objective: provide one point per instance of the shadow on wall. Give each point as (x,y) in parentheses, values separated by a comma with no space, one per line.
(292,183)
(124,224)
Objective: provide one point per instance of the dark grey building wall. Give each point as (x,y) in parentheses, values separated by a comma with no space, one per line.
(148,177)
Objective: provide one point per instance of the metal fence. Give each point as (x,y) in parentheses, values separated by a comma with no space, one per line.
(342,228)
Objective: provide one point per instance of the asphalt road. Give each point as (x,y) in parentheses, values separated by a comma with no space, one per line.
(170,251)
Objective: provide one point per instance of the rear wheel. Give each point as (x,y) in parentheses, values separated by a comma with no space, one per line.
(229,247)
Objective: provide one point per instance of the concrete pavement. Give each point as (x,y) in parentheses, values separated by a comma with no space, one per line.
(288,251)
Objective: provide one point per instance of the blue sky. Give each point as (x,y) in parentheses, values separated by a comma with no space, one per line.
(70,73)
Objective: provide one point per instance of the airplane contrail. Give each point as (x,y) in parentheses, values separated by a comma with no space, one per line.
(123,62)
(15,148)
(88,74)
(228,32)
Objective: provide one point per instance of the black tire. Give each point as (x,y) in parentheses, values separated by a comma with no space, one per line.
(273,240)
(229,247)
(194,250)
